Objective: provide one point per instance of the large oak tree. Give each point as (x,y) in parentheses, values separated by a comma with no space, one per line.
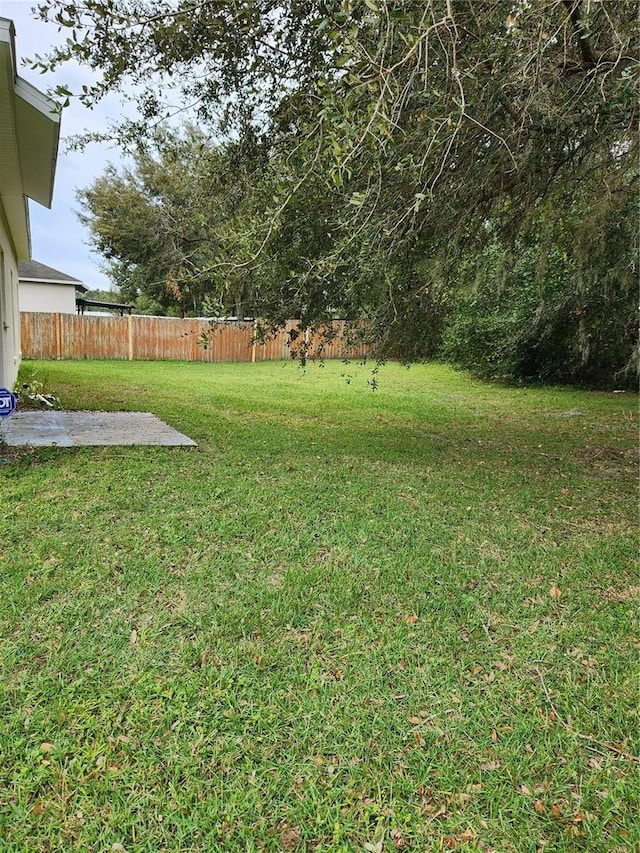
(421,133)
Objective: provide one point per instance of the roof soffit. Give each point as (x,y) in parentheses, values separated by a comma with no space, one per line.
(37,132)
(29,130)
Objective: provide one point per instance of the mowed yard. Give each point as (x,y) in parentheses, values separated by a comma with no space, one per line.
(350,620)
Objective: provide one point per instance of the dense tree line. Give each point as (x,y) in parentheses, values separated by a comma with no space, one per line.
(463,175)
(163,223)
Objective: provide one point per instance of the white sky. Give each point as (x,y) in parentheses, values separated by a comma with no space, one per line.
(58,239)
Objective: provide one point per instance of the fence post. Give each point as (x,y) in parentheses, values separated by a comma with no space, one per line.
(58,335)
(130,330)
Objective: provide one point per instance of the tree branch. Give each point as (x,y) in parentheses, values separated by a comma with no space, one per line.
(589,57)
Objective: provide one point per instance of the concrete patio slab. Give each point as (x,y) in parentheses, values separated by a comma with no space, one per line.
(78,429)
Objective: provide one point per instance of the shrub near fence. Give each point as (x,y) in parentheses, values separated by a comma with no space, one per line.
(71,337)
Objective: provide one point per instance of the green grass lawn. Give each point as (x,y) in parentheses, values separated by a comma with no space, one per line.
(348,621)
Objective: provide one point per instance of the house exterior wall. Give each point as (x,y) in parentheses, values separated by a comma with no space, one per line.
(9,312)
(52,298)
(29,136)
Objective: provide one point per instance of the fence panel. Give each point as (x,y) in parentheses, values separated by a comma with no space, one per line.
(93,339)
(36,337)
(68,337)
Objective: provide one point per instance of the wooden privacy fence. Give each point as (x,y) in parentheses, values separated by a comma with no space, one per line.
(70,337)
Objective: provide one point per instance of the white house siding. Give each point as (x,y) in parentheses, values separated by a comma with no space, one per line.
(29,134)
(52,298)
(9,313)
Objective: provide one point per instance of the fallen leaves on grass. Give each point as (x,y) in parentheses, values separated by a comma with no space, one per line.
(399,841)
(452,842)
(432,809)
(290,836)
(621,595)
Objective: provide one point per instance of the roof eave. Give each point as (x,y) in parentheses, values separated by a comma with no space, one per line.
(67,282)
(30,131)
(38,136)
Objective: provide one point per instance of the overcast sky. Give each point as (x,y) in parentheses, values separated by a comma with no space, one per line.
(58,239)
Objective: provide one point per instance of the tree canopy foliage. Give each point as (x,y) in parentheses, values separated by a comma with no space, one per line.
(163,222)
(461,172)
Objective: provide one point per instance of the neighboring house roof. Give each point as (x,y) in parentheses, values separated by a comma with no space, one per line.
(34,272)
(29,134)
